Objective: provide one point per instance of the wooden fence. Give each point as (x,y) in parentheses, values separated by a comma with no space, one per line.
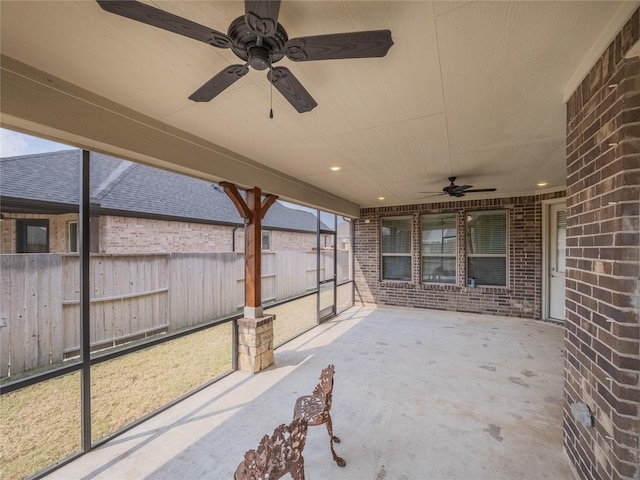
(132,296)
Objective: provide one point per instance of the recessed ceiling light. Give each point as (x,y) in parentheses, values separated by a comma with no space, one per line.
(542,184)
(335,169)
(380,198)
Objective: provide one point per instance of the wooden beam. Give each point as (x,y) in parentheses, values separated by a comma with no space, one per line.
(266,204)
(232,192)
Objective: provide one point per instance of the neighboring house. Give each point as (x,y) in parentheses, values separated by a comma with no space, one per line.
(134,208)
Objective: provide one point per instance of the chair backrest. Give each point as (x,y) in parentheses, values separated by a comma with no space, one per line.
(276,455)
(325,387)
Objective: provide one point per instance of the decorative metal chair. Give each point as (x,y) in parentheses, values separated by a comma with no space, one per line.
(277,455)
(315,408)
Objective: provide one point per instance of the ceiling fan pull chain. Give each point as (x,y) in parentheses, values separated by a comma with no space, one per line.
(271,90)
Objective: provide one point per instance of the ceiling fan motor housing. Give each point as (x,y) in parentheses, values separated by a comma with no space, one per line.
(259,52)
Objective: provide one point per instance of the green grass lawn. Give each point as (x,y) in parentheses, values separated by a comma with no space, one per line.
(293,318)
(40,424)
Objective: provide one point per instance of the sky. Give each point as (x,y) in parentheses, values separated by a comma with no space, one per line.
(13,144)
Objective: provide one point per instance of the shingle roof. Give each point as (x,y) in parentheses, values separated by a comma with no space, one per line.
(47,177)
(121,187)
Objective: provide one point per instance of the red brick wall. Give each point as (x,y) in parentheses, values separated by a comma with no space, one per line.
(521,298)
(601,341)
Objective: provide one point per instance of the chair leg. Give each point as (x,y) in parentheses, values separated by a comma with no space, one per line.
(332,438)
(297,471)
(329,424)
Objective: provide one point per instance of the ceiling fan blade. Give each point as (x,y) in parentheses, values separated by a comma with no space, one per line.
(375,43)
(155,17)
(262,16)
(431,194)
(219,83)
(462,188)
(291,89)
(481,190)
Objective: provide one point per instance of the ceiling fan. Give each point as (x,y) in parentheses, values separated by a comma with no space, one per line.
(454,190)
(260,41)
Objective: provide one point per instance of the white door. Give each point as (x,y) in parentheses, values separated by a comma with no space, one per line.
(557,259)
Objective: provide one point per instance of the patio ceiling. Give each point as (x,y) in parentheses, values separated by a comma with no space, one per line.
(471,89)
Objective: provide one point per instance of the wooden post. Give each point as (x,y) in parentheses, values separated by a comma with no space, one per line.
(255,331)
(252,211)
(253,254)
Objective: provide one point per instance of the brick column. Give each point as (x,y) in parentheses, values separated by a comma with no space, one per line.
(255,343)
(602,323)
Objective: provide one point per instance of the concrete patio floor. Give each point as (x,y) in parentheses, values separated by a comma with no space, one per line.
(419,394)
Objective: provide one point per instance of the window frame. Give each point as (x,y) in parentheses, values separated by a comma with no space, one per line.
(70,236)
(504,255)
(409,254)
(22,239)
(267,234)
(453,255)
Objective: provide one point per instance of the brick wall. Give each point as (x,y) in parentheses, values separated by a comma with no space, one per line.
(126,235)
(601,341)
(140,235)
(521,298)
(284,241)
(8,239)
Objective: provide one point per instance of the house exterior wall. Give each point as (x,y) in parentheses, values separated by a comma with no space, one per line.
(8,231)
(522,297)
(142,235)
(127,234)
(282,241)
(121,235)
(602,324)
(58,231)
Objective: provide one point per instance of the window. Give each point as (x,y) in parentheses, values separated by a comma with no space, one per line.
(396,248)
(266,240)
(72,234)
(439,246)
(32,236)
(487,247)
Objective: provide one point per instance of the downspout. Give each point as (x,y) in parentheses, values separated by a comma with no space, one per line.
(233,238)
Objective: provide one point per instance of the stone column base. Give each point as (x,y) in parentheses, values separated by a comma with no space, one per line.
(255,343)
